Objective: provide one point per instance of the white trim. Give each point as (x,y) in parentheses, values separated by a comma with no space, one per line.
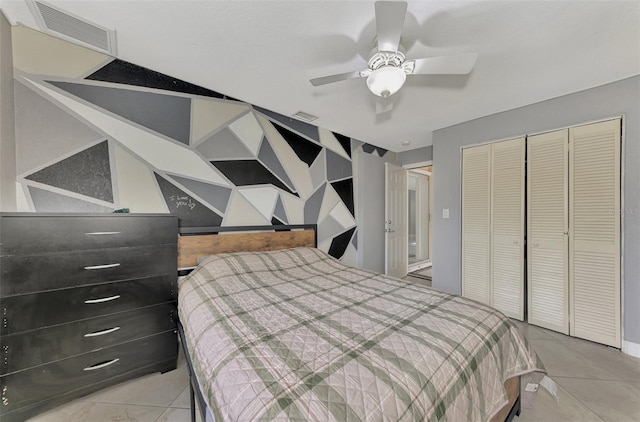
(417,165)
(422,172)
(631,349)
(588,122)
(623,157)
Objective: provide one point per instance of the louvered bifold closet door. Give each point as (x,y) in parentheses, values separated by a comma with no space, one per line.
(507,227)
(594,221)
(547,240)
(476,190)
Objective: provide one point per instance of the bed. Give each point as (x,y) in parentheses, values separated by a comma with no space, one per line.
(294,334)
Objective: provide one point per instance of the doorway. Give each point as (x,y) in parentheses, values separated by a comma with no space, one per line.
(404,244)
(419,198)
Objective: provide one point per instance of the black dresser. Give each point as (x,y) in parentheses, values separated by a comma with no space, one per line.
(87,301)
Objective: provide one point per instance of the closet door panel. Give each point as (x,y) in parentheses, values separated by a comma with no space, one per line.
(476,191)
(507,227)
(594,221)
(547,241)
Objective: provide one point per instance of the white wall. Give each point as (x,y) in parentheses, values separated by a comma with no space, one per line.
(7,132)
(413,156)
(614,99)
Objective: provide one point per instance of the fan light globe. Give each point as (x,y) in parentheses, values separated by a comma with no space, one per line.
(386,80)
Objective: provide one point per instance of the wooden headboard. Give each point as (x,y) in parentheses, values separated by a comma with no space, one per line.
(195,242)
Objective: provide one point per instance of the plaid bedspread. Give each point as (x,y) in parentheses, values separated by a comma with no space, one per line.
(297,335)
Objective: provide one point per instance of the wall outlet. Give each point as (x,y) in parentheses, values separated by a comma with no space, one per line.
(532,388)
(445,213)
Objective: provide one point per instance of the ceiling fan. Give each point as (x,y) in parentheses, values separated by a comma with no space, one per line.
(388,67)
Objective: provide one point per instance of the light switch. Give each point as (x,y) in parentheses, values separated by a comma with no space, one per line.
(445,213)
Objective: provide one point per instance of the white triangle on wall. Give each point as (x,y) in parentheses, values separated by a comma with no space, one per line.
(262,198)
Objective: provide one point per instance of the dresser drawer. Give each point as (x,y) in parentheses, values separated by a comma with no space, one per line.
(22,274)
(30,234)
(33,311)
(45,382)
(38,347)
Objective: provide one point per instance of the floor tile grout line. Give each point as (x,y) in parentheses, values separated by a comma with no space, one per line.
(123,404)
(588,379)
(583,402)
(552,376)
(590,360)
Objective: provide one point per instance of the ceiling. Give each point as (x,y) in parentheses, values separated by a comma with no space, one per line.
(264,52)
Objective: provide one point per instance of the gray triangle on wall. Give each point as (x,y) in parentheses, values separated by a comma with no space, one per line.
(279,211)
(269,158)
(224,145)
(312,206)
(169,115)
(87,173)
(338,167)
(46,201)
(215,195)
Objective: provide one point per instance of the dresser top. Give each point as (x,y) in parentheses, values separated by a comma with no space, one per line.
(72,214)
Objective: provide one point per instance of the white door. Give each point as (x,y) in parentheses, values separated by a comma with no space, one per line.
(396,226)
(476,223)
(594,236)
(507,227)
(547,241)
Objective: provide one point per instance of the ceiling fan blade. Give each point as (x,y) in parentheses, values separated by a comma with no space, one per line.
(334,78)
(384,105)
(460,64)
(389,22)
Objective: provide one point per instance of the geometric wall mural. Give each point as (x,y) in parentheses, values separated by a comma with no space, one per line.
(121,72)
(187,208)
(87,173)
(372,149)
(169,115)
(153,143)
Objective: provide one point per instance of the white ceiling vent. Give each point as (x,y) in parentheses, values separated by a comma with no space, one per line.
(301,115)
(72,28)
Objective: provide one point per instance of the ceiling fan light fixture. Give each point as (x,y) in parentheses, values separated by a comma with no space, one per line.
(386,80)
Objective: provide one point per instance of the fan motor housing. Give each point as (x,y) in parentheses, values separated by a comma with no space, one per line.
(386,58)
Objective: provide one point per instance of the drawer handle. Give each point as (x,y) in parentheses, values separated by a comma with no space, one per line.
(101,267)
(103,332)
(101,233)
(102,299)
(101,365)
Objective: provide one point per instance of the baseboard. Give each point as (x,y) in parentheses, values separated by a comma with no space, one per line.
(631,349)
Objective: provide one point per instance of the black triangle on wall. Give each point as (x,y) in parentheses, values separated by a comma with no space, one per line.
(306,150)
(344,141)
(276,222)
(249,172)
(122,72)
(339,243)
(344,189)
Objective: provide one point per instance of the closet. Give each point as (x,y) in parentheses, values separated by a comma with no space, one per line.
(493,225)
(573,185)
(572,226)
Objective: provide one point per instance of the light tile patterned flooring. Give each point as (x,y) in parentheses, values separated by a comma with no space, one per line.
(595,383)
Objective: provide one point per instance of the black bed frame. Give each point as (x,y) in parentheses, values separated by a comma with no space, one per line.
(194,389)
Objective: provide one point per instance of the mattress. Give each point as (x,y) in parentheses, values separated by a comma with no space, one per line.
(298,335)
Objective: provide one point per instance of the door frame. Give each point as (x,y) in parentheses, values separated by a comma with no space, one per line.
(414,167)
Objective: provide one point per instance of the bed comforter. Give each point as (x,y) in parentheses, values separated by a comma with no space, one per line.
(298,335)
